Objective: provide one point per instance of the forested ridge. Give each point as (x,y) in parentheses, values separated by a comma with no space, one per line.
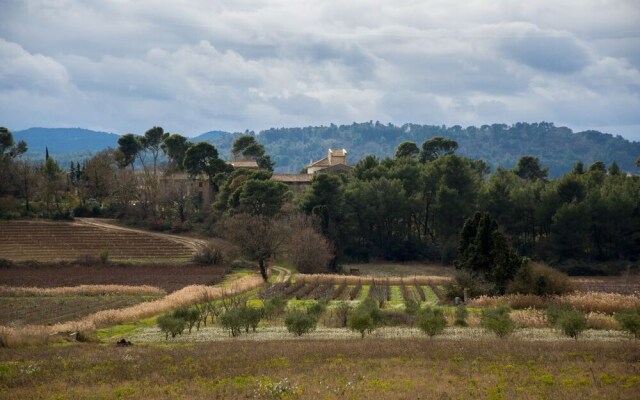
(558,148)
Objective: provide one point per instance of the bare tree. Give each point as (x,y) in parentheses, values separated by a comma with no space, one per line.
(258,237)
(27,177)
(99,176)
(309,251)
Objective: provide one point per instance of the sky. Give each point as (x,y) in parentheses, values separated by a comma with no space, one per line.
(194,66)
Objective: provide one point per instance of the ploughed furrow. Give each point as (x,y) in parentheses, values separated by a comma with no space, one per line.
(52,241)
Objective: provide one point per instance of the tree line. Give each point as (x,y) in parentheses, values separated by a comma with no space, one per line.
(412,206)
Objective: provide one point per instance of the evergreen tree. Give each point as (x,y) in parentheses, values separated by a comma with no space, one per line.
(486,253)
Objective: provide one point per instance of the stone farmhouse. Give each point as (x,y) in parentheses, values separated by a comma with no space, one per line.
(334,163)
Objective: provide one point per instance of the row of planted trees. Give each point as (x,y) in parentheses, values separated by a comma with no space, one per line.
(236,316)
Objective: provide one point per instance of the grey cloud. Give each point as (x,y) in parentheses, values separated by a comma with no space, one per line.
(548,51)
(234,65)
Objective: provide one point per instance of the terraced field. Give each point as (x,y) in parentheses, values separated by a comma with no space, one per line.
(169,277)
(57,241)
(43,310)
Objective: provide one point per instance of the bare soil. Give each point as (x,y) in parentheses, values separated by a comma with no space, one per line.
(167,277)
(401,269)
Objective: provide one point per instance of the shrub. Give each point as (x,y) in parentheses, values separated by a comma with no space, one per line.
(397,318)
(366,317)
(342,313)
(209,254)
(300,323)
(170,325)
(463,280)
(274,306)
(250,317)
(309,252)
(555,311)
(104,256)
(361,321)
(190,316)
(461,314)
(541,280)
(233,321)
(497,321)
(431,321)
(572,323)
(316,309)
(411,306)
(630,321)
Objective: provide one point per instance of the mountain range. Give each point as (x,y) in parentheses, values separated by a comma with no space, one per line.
(558,148)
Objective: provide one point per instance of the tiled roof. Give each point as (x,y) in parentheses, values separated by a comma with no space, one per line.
(244,164)
(292,178)
(320,163)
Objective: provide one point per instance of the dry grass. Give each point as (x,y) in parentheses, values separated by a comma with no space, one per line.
(602,302)
(181,298)
(82,290)
(327,369)
(529,318)
(597,320)
(584,301)
(369,279)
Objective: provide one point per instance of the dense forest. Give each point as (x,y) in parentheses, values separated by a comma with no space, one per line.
(558,148)
(414,205)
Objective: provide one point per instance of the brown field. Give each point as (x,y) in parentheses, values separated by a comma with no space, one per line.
(167,277)
(53,241)
(401,269)
(326,369)
(45,310)
(589,302)
(608,284)
(368,279)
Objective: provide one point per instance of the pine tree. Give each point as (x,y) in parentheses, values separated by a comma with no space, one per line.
(485,252)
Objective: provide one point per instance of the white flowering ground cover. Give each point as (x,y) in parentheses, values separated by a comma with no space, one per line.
(216,333)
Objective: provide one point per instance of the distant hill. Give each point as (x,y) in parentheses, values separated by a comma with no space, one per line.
(558,148)
(500,145)
(65,140)
(209,136)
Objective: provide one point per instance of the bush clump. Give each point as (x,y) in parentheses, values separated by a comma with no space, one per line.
(630,321)
(235,319)
(572,323)
(463,280)
(366,317)
(209,254)
(300,323)
(171,325)
(555,311)
(274,306)
(461,315)
(411,306)
(431,321)
(497,320)
(540,280)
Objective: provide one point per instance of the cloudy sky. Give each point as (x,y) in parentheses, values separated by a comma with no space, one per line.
(193,66)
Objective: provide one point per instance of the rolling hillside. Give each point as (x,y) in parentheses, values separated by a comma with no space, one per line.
(558,148)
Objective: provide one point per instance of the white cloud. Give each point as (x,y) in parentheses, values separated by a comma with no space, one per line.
(127,65)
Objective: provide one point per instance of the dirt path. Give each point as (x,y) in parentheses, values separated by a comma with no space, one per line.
(193,243)
(283,273)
